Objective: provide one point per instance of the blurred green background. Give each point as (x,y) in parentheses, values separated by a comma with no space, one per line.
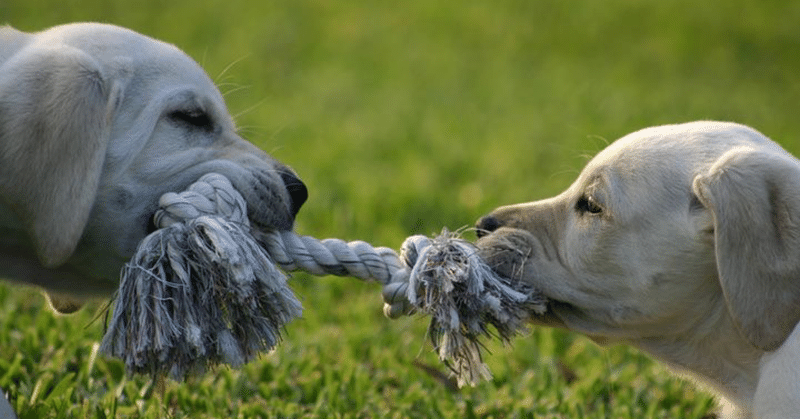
(403,118)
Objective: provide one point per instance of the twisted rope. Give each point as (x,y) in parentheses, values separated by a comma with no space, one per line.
(200,290)
(443,277)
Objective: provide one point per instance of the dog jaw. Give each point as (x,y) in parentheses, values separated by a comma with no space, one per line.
(508,252)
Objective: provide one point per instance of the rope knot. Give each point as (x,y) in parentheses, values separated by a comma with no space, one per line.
(200,292)
(212,194)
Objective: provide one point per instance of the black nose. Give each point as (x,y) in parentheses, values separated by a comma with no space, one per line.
(297,190)
(487,225)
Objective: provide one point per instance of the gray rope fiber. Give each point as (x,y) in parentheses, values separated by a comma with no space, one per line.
(443,277)
(200,290)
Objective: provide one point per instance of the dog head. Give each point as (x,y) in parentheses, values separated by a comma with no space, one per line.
(665,228)
(96,123)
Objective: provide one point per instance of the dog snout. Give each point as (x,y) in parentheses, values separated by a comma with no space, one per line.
(486,225)
(298,193)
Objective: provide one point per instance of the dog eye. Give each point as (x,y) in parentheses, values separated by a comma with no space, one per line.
(194,118)
(588,204)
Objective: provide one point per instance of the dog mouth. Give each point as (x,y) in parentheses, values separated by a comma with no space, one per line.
(513,256)
(507,252)
(273,197)
(519,256)
(151,224)
(553,316)
(284,203)
(267,208)
(510,253)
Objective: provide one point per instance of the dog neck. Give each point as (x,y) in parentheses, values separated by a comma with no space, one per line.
(718,357)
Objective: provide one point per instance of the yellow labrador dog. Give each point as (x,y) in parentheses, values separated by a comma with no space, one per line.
(96,123)
(684,241)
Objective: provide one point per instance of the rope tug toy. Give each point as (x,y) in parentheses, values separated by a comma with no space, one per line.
(203,289)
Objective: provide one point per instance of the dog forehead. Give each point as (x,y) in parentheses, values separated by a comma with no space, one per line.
(650,165)
(657,165)
(148,58)
(679,147)
(635,159)
(642,149)
(693,141)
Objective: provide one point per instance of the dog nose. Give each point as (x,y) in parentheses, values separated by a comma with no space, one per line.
(487,225)
(297,190)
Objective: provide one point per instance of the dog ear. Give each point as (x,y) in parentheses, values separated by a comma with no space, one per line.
(754,197)
(55,110)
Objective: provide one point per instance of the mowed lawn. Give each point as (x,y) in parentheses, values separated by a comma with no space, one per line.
(403,118)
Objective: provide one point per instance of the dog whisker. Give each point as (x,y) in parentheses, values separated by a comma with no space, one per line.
(229,67)
(248,110)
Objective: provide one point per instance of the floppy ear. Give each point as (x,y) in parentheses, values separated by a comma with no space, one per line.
(754,196)
(55,109)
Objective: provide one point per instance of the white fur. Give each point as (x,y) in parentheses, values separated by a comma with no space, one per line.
(95,125)
(694,257)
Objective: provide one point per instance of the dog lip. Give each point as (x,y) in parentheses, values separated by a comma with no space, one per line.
(151,225)
(550,317)
(506,251)
(487,225)
(280,225)
(269,206)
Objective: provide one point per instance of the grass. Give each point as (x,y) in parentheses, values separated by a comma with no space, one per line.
(403,118)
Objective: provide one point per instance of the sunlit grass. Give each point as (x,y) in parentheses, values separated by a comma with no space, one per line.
(403,118)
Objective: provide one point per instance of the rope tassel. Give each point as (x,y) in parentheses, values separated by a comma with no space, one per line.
(204,289)
(200,290)
(443,277)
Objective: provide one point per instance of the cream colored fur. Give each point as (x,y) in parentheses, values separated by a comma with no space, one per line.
(684,241)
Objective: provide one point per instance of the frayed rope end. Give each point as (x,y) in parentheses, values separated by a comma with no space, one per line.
(199,292)
(202,291)
(450,282)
